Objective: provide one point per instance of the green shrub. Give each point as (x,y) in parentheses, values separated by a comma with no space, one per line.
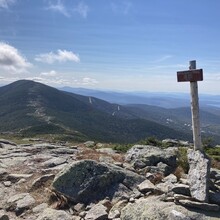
(123,148)
(151,141)
(182,159)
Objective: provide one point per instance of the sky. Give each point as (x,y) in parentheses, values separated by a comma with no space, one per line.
(126,45)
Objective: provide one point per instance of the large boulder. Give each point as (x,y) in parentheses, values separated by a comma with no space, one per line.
(142,156)
(89,181)
(199,174)
(152,208)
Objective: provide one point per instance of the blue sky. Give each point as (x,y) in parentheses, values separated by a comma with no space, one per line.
(110,44)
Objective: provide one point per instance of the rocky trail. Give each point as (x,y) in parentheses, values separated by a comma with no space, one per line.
(57,181)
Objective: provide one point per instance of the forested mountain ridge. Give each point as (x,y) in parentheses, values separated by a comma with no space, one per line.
(29,108)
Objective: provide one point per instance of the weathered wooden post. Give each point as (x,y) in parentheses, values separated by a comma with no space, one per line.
(198,175)
(193,75)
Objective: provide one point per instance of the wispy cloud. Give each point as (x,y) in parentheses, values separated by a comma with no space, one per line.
(162,59)
(88,81)
(49,74)
(60,56)
(61,80)
(212,76)
(5,4)
(122,7)
(58,7)
(82,9)
(11,60)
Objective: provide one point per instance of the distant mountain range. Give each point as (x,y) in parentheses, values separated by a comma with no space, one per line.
(29,108)
(165,100)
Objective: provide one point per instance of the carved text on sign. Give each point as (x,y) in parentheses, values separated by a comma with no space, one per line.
(190,75)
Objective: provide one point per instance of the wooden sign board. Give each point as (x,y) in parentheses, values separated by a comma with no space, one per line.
(190,75)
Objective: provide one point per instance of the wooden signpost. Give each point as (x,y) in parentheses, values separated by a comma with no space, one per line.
(193,75)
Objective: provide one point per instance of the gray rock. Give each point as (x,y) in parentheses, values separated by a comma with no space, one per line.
(199,205)
(215,174)
(119,164)
(145,155)
(44,146)
(181,189)
(87,181)
(2,192)
(79,207)
(198,175)
(178,197)
(55,168)
(172,142)
(3,174)
(149,176)
(3,215)
(164,168)
(89,143)
(146,186)
(3,141)
(152,208)
(74,217)
(171,178)
(106,150)
(217,182)
(114,214)
(175,215)
(82,214)
(165,187)
(184,181)
(106,159)
(64,150)
(7,183)
(15,154)
(40,208)
(117,207)
(51,214)
(54,162)
(214,197)
(139,164)
(97,212)
(14,177)
(39,182)
(20,202)
(13,160)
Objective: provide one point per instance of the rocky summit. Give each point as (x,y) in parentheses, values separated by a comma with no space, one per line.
(59,181)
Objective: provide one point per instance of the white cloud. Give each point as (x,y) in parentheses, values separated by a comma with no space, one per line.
(36,78)
(82,9)
(88,81)
(58,7)
(51,73)
(11,60)
(6,3)
(7,80)
(60,56)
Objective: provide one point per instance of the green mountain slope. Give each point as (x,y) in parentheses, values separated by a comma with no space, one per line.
(180,118)
(32,108)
